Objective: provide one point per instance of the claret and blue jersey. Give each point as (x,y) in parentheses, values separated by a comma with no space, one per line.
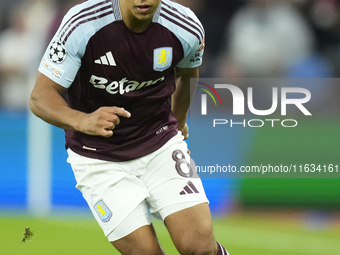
(102,63)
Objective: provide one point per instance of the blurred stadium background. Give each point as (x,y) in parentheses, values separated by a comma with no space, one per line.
(244,38)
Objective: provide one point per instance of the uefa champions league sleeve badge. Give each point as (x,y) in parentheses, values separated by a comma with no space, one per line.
(57,52)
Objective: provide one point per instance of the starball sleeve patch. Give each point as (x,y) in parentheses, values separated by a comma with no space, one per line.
(57,52)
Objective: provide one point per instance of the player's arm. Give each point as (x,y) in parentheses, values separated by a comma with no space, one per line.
(47,103)
(181,99)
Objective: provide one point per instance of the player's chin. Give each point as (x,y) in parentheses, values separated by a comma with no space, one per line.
(144,17)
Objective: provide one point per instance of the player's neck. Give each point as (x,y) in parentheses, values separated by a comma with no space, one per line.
(136,25)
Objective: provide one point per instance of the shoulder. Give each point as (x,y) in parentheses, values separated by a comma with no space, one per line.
(181,21)
(84,19)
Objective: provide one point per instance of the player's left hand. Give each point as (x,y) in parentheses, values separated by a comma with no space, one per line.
(185,130)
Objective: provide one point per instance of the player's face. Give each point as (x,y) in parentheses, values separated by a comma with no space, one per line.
(142,10)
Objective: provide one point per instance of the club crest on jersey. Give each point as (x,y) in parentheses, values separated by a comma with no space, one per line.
(103,211)
(57,52)
(162,58)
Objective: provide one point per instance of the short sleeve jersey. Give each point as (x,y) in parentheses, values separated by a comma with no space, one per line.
(103,63)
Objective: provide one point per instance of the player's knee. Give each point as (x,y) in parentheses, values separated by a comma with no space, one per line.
(140,249)
(199,241)
(157,251)
(199,251)
(198,248)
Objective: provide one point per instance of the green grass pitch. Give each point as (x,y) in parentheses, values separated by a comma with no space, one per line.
(255,234)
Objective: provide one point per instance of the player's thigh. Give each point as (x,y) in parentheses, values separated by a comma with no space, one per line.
(142,241)
(171,182)
(113,195)
(191,230)
(135,234)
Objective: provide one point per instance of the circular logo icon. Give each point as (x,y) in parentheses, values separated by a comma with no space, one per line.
(57,52)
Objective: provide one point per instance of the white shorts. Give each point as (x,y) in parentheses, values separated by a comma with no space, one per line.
(121,193)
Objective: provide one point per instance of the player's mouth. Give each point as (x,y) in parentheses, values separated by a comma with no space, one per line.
(143,8)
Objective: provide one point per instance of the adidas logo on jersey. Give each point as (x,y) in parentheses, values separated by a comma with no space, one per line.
(107,60)
(189,189)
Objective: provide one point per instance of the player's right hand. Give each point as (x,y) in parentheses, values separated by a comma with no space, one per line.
(102,121)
